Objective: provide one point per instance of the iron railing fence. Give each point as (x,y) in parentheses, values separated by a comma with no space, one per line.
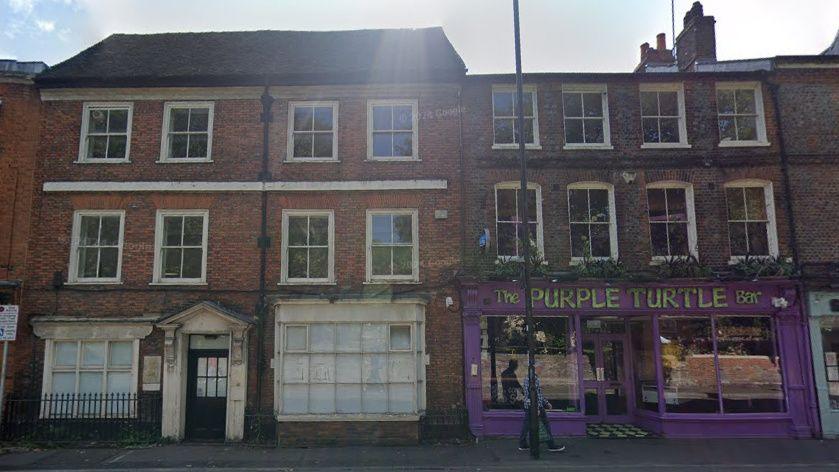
(445,425)
(66,417)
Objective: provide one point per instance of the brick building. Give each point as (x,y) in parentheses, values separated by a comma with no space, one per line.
(659,205)
(19,113)
(256,224)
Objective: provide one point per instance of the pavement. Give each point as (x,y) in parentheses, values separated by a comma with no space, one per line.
(489,455)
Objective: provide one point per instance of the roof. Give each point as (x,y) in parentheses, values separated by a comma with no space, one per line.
(11,67)
(833,49)
(260,57)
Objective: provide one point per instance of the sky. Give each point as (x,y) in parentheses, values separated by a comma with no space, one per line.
(557,35)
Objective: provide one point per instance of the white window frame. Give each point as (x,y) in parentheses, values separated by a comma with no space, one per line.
(49,369)
(414,104)
(86,109)
(680,99)
(414,277)
(158,248)
(330,279)
(613,224)
(604,96)
(290,135)
(512,89)
(540,240)
(164,139)
(72,276)
(760,118)
(771,228)
(693,249)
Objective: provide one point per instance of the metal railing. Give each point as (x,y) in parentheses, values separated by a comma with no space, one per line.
(64,417)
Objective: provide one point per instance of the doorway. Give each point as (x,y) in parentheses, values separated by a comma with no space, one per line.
(606,370)
(206,396)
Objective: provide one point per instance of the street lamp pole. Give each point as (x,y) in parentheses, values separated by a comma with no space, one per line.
(524,241)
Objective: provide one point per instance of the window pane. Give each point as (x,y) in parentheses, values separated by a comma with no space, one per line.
(669,130)
(403,144)
(528,131)
(382,144)
(318,230)
(599,203)
(572,105)
(668,104)
(193,230)
(690,383)
(758,244)
(593,131)
(382,118)
(319,263)
(650,130)
(297,263)
(93,354)
(303,118)
(402,368)
(658,238)
(504,131)
(296,338)
(322,368)
(528,104)
(171,263)
(298,230)
(725,101)
(381,261)
(119,382)
(678,233)
(593,104)
(402,232)
(348,337)
(750,368)
(400,338)
(303,145)
(745,101)
(506,204)
(504,362)
(600,246)
(295,399)
(121,354)
(65,353)
(531,205)
(677,204)
(374,368)
(574,131)
(97,147)
(89,230)
(734,200)
(374,398)
(117,121)
(98,121)
(382,230)
(403,260)
(580,241)
(401,398)
(172,226)
(198,145)
(221,387)
(649,104)
(402,117)
(322,338)
(746,128)
(109,235)
(199,119)
(646,393)
(179,119)
(374,337)
(323,145)
(178,145)
(108,262)
(193,260)
(323,119)
(63,383)
(322,399)
(507,239)
(348,399)
(727,130)
(90,382)
(116,147)
(657,206)
(348,368)
(88,262)
(737,239)
(503,104)
(578,205)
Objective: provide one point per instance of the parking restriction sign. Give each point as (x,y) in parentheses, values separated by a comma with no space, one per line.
(8,322)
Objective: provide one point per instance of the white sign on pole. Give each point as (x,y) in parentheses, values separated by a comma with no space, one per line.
(8,322)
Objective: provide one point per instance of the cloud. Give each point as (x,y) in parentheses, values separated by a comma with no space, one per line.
(45,26)
(22,6)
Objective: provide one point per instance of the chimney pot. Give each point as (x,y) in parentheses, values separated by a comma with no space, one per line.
(661,41)
(695,11)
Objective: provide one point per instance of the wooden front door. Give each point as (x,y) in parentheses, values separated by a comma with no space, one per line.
(206,395)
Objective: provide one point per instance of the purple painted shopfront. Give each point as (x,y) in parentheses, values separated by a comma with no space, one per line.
(682,359)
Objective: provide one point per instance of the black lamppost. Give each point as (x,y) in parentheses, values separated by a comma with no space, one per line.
(524,240)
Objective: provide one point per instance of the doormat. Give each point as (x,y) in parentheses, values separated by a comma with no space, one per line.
(617,431)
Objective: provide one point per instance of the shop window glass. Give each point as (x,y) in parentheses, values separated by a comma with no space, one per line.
(687,357)
(643,361)
(504,361)
(830,346)
(750,371)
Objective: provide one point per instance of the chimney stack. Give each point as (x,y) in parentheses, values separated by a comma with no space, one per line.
(660,56)
(697,42)
(660,42)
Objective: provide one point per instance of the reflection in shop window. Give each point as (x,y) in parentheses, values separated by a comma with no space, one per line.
(687,358)
(830,347)
(643,360)
(750,371)
(504,361)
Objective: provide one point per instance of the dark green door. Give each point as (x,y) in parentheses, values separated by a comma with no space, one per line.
(206,398)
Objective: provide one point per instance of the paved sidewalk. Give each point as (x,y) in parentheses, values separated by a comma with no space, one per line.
(490,455)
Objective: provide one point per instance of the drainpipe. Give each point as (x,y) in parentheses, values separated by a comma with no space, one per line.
(793,232)
(264,243)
